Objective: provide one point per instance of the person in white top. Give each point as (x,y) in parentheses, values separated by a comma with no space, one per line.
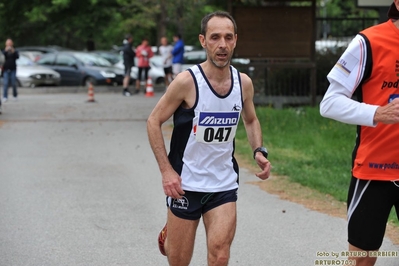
(200,174)
(165,50)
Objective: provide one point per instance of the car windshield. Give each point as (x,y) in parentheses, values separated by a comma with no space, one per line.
(113,58)
(92,60)
(24,61)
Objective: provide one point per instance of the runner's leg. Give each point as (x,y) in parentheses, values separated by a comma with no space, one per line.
(180,239)
(220,225)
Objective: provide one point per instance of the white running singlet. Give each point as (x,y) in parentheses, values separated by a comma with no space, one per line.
(202,144)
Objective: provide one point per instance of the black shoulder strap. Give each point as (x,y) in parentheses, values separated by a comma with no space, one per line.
(367,68)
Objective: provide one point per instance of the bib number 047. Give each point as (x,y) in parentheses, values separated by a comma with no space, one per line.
(220,134)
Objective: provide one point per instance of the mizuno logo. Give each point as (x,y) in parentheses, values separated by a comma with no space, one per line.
(222,119)
(211,120)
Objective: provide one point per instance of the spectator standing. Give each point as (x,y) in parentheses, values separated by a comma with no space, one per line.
(143,53)
(200,174)
(165,50)
(369,68)
(128,61)
(10,69)
(178,53)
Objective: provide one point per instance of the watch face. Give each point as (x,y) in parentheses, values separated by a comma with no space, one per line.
(263,150)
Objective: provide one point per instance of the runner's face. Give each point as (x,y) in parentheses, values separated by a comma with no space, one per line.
(219,41)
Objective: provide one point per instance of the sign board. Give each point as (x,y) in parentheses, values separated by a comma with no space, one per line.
(374,3)
(274,32)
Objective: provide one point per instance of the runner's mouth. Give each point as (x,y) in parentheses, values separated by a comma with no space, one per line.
(221,55)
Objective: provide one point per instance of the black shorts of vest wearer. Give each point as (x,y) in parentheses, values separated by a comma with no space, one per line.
(128,69)
(194,204)
(140,76)
(167,70)
(369,205)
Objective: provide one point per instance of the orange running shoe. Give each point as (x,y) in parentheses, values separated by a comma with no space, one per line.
(161,240)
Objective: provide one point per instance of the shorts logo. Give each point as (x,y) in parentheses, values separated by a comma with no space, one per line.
(181,204)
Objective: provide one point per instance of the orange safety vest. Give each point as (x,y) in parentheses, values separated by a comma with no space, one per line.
(376,154)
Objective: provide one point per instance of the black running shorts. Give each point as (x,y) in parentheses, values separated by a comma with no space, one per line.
(369,205)
(140,75)
(167,70)
(128,69)
(195,204)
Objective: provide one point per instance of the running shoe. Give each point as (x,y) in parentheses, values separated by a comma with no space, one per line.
(161,240)
(126,92)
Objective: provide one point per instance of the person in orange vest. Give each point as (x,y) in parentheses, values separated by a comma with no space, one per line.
(369,69)
(143,54)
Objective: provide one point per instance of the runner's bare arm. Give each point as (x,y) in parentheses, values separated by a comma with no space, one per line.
(176,95)
(252,126)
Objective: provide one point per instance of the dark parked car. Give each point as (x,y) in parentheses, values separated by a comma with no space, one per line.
(82,68)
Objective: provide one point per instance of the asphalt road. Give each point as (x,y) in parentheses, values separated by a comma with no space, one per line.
(79,185)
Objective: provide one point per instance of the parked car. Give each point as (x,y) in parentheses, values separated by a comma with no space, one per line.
(32,75)
(156,72)
(112,57)
(39,50)
(32,55)
(193,58)
(82,68)
(332,45)
(198,56)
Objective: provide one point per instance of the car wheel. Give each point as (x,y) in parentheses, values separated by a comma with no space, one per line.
(89,80)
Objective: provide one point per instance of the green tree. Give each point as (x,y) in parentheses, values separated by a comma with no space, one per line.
(72,23)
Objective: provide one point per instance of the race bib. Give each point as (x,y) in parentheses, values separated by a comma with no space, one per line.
(216,127)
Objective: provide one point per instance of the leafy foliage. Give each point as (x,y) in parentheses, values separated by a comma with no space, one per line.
(72,23)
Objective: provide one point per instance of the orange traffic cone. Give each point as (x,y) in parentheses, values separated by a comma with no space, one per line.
(90,93)
(149,90)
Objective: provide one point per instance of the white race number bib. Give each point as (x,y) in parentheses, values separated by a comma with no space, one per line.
(216,127)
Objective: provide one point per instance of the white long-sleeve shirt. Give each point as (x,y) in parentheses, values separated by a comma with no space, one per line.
(344,78)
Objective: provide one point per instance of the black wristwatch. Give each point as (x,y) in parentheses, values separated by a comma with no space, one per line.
(262,150)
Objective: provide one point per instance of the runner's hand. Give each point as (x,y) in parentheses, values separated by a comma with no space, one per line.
(265,165)
(388,114)
(171,183)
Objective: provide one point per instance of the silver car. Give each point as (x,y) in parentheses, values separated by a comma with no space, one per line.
(31,75)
